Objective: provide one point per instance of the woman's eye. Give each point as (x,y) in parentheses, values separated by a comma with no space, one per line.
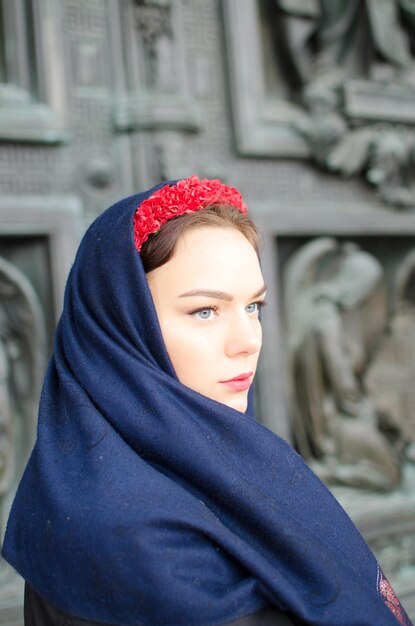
(253,307)
(204,314)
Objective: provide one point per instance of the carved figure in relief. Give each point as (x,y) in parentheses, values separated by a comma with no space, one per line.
(351,64)
(336,39)
(390,375)
(336,315)
(22,352)
(154,22)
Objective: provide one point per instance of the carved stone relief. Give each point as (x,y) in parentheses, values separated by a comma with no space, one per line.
(39,236)
(343,344)
(332,80)
(390,375)
(351,66)
(153,88)
(153,19)
(22,362)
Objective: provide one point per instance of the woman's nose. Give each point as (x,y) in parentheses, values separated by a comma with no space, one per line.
(244,336)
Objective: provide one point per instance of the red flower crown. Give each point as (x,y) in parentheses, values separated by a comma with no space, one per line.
(186,196)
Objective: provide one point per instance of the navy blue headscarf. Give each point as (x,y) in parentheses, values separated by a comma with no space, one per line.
(146,503)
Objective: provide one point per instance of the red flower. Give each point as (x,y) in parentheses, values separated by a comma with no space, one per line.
(186,196)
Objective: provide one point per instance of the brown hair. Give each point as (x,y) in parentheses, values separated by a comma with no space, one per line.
(160,247)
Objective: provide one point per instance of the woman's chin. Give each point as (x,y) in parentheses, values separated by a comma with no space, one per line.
(238,403)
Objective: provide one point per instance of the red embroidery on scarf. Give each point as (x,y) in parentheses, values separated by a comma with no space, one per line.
(391,599)
(186,196)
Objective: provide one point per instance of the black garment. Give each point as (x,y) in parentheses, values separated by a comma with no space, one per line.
(37,612)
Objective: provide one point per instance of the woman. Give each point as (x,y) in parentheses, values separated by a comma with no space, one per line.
(151,497)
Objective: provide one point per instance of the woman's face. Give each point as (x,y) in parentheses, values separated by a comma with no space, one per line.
(207,299)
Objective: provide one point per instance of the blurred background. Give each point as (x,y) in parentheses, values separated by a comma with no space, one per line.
(307,107)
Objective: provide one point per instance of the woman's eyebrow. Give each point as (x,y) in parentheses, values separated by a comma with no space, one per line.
(219,295)
(260,292)
(210,293)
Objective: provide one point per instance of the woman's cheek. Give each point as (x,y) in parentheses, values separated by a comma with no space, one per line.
(188,346)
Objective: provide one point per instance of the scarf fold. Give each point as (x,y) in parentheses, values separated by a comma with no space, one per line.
(146,503)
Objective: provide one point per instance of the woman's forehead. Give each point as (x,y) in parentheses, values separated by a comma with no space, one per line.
(212,249)
(214,242)
(212,258)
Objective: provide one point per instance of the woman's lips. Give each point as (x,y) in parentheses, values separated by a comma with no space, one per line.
(239,383)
